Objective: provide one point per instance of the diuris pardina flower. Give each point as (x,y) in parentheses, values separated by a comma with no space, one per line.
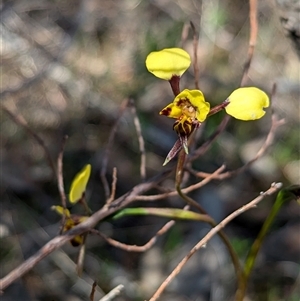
(189,107)
(71,220)
(77,191)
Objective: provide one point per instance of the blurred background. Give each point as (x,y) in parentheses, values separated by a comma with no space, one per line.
(66,68)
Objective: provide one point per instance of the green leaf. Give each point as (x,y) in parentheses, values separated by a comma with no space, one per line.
(172,213)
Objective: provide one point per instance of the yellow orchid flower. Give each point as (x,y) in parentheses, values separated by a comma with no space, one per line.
(189,108)
(70,222)
(247,103)
(79,183)
(168,62)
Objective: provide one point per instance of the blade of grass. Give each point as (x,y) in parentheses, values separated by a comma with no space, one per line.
(285,195)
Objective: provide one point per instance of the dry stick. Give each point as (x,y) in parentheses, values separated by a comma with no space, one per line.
(93,291)
(60,177)
(113,188)
(195,55)
(60,181)
(274,187)
(206,145)
(138,129)
(210,221)
(268,142)
(134,248)
(252,42)
(83,227)
(108,149)
(19,120)
(113,293)
(252,39)
(188,189)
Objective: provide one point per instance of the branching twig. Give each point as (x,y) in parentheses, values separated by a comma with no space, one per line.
(134,248)
(268,142)
(113,188)
(193,187)
(274,187)
(84,227)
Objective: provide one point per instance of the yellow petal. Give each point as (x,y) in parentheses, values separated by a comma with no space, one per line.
(247,103)
(79,183)
(171,110)
(168,62)
(60,210)
(200,108)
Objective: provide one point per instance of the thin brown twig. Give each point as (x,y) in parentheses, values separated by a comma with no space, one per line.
(108,149)
(60,177)
(113,188)
(141,141)
(92,294)
(195,55)
(268,142)
(252,39)
(19,120)
(252,204)
(193,187)
(252,42)
(135,248)
(113,293)
(60,181)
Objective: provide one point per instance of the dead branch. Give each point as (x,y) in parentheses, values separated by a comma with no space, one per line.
(134,248)
(268,142)
(84,227)
(252,204)
(193,187)
(252,39)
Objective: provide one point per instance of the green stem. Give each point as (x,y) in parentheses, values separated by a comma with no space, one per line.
(283,196)
(210,221)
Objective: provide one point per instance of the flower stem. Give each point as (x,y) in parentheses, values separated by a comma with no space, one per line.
(218,108)
(235,260)
(174,82)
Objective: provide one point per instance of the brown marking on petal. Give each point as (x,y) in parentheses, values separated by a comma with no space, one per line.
(180,102)
(165,111)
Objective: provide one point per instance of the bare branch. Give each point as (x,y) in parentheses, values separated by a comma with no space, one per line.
(252,39)
(193,187)
(134,248)
(274,187)
(113,188)
(113,293)
(84,227)
(60,177)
